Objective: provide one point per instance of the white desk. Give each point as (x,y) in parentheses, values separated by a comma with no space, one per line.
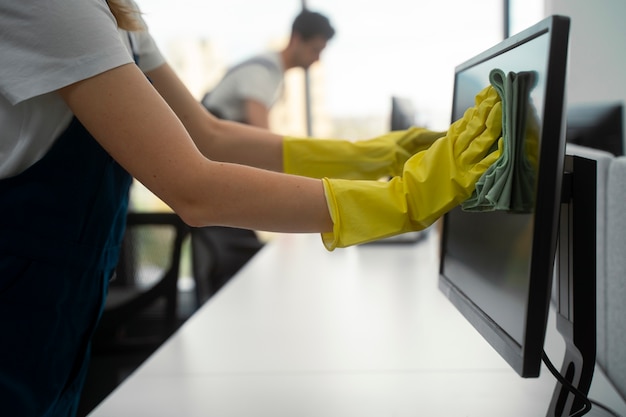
(359,332)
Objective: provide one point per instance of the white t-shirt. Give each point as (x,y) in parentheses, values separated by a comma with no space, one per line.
(46,45)
(250,80)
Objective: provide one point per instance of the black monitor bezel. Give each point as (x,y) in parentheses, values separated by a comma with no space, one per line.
(525,359)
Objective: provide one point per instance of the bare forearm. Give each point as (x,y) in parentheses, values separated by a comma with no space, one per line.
(243,144)
(252,198)
(138,129)
(218,140)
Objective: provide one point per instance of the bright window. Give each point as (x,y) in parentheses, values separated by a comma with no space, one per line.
(392,47)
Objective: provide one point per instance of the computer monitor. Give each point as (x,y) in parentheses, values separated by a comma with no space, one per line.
(402,113)
(597,125)
(497,267)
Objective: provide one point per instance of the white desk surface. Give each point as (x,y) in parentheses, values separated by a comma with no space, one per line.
(359,332)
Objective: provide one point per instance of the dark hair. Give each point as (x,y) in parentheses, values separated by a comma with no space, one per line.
(310,24)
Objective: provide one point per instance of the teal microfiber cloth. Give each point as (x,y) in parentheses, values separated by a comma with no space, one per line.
(509,183)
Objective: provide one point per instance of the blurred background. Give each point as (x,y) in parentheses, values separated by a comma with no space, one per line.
(396,47)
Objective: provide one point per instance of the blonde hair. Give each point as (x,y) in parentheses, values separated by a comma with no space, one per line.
(127,15)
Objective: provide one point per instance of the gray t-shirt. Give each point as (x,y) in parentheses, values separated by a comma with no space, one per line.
(259,78)
(46,46)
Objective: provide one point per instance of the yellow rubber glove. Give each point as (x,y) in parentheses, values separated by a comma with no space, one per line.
(432,183)
(367,159)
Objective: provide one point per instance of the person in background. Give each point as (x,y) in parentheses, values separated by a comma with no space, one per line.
(87,103)
(247,91)
(246,94)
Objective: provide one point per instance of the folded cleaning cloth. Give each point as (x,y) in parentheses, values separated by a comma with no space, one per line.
(509,183)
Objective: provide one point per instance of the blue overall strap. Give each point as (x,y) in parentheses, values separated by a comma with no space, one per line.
(257,60)
(61,226)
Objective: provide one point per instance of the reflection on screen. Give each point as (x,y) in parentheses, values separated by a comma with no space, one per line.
(489,252)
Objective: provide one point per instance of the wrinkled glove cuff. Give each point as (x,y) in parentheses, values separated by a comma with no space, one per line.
(330,239)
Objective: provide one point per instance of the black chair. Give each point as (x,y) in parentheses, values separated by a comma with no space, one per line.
(217,254)
(146,278)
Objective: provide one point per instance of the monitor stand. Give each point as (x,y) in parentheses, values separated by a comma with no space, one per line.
(576,283)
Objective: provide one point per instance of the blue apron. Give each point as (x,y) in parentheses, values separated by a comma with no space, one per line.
(61,226)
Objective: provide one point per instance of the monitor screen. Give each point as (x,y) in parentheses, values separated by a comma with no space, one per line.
(597,125)
(497,266)
(402,113)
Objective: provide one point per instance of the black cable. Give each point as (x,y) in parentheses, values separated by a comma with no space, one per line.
(565,383)
(588,401)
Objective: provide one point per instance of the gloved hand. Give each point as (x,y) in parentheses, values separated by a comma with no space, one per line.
(509,183)
(433,181)
(367,159)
